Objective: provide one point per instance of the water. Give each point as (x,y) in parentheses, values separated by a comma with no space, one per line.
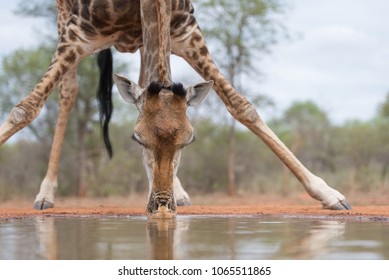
(192,237)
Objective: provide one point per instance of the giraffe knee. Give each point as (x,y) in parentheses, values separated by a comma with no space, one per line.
(245,113)
(17,119)
(20,116)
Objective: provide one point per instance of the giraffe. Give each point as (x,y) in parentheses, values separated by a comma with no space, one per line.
(89,26)
(162,128)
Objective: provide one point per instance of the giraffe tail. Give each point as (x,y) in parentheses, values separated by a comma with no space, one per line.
(104,95)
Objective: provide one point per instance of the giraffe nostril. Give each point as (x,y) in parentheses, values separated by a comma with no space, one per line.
(163,202)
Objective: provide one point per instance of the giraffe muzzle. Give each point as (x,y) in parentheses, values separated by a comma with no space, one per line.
(161,206)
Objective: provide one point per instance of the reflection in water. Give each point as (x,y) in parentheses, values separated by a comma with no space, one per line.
(315,241)
(186,237)
(29,239)
(47,238)
(166,238)
(161,234)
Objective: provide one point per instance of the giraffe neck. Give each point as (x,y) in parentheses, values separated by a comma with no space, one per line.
(164,15)
(155,17)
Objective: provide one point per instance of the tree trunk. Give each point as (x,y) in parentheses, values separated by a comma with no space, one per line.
(231,190)
(81,186)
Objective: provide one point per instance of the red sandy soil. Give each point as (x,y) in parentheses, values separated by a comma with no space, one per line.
(366,207)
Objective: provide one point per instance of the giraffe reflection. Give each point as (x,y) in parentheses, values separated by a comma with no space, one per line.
(167,238)
(161,236)
(47,245)
(313,243)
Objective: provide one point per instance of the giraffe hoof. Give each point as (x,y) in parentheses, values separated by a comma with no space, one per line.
(341,205)
(184,202)
(43,204)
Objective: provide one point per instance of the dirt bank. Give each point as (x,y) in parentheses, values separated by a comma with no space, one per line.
(365,208)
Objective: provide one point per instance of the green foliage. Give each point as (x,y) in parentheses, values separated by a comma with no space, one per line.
(384,108)
(22,167)
(353,156)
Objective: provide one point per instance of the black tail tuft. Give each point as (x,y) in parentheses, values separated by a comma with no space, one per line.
(104,95)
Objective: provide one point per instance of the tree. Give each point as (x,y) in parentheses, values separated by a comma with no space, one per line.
(308,125)
(241,31)
(383,110)
(22,70)
(382,121)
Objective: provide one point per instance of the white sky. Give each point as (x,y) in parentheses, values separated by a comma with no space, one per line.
(339,56)
(341,60)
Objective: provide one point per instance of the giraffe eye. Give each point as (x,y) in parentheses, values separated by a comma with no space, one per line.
(137,139)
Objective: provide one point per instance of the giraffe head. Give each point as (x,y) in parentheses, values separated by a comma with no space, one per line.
(162,131)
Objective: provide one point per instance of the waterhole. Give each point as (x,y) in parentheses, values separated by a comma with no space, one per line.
(192,238)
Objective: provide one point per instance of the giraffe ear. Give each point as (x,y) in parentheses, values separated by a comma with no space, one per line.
(197,93)
(129,90)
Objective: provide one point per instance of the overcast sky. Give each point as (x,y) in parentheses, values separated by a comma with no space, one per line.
(338,57)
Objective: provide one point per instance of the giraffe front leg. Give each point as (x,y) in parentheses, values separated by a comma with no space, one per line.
(68,90)
(194,50)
